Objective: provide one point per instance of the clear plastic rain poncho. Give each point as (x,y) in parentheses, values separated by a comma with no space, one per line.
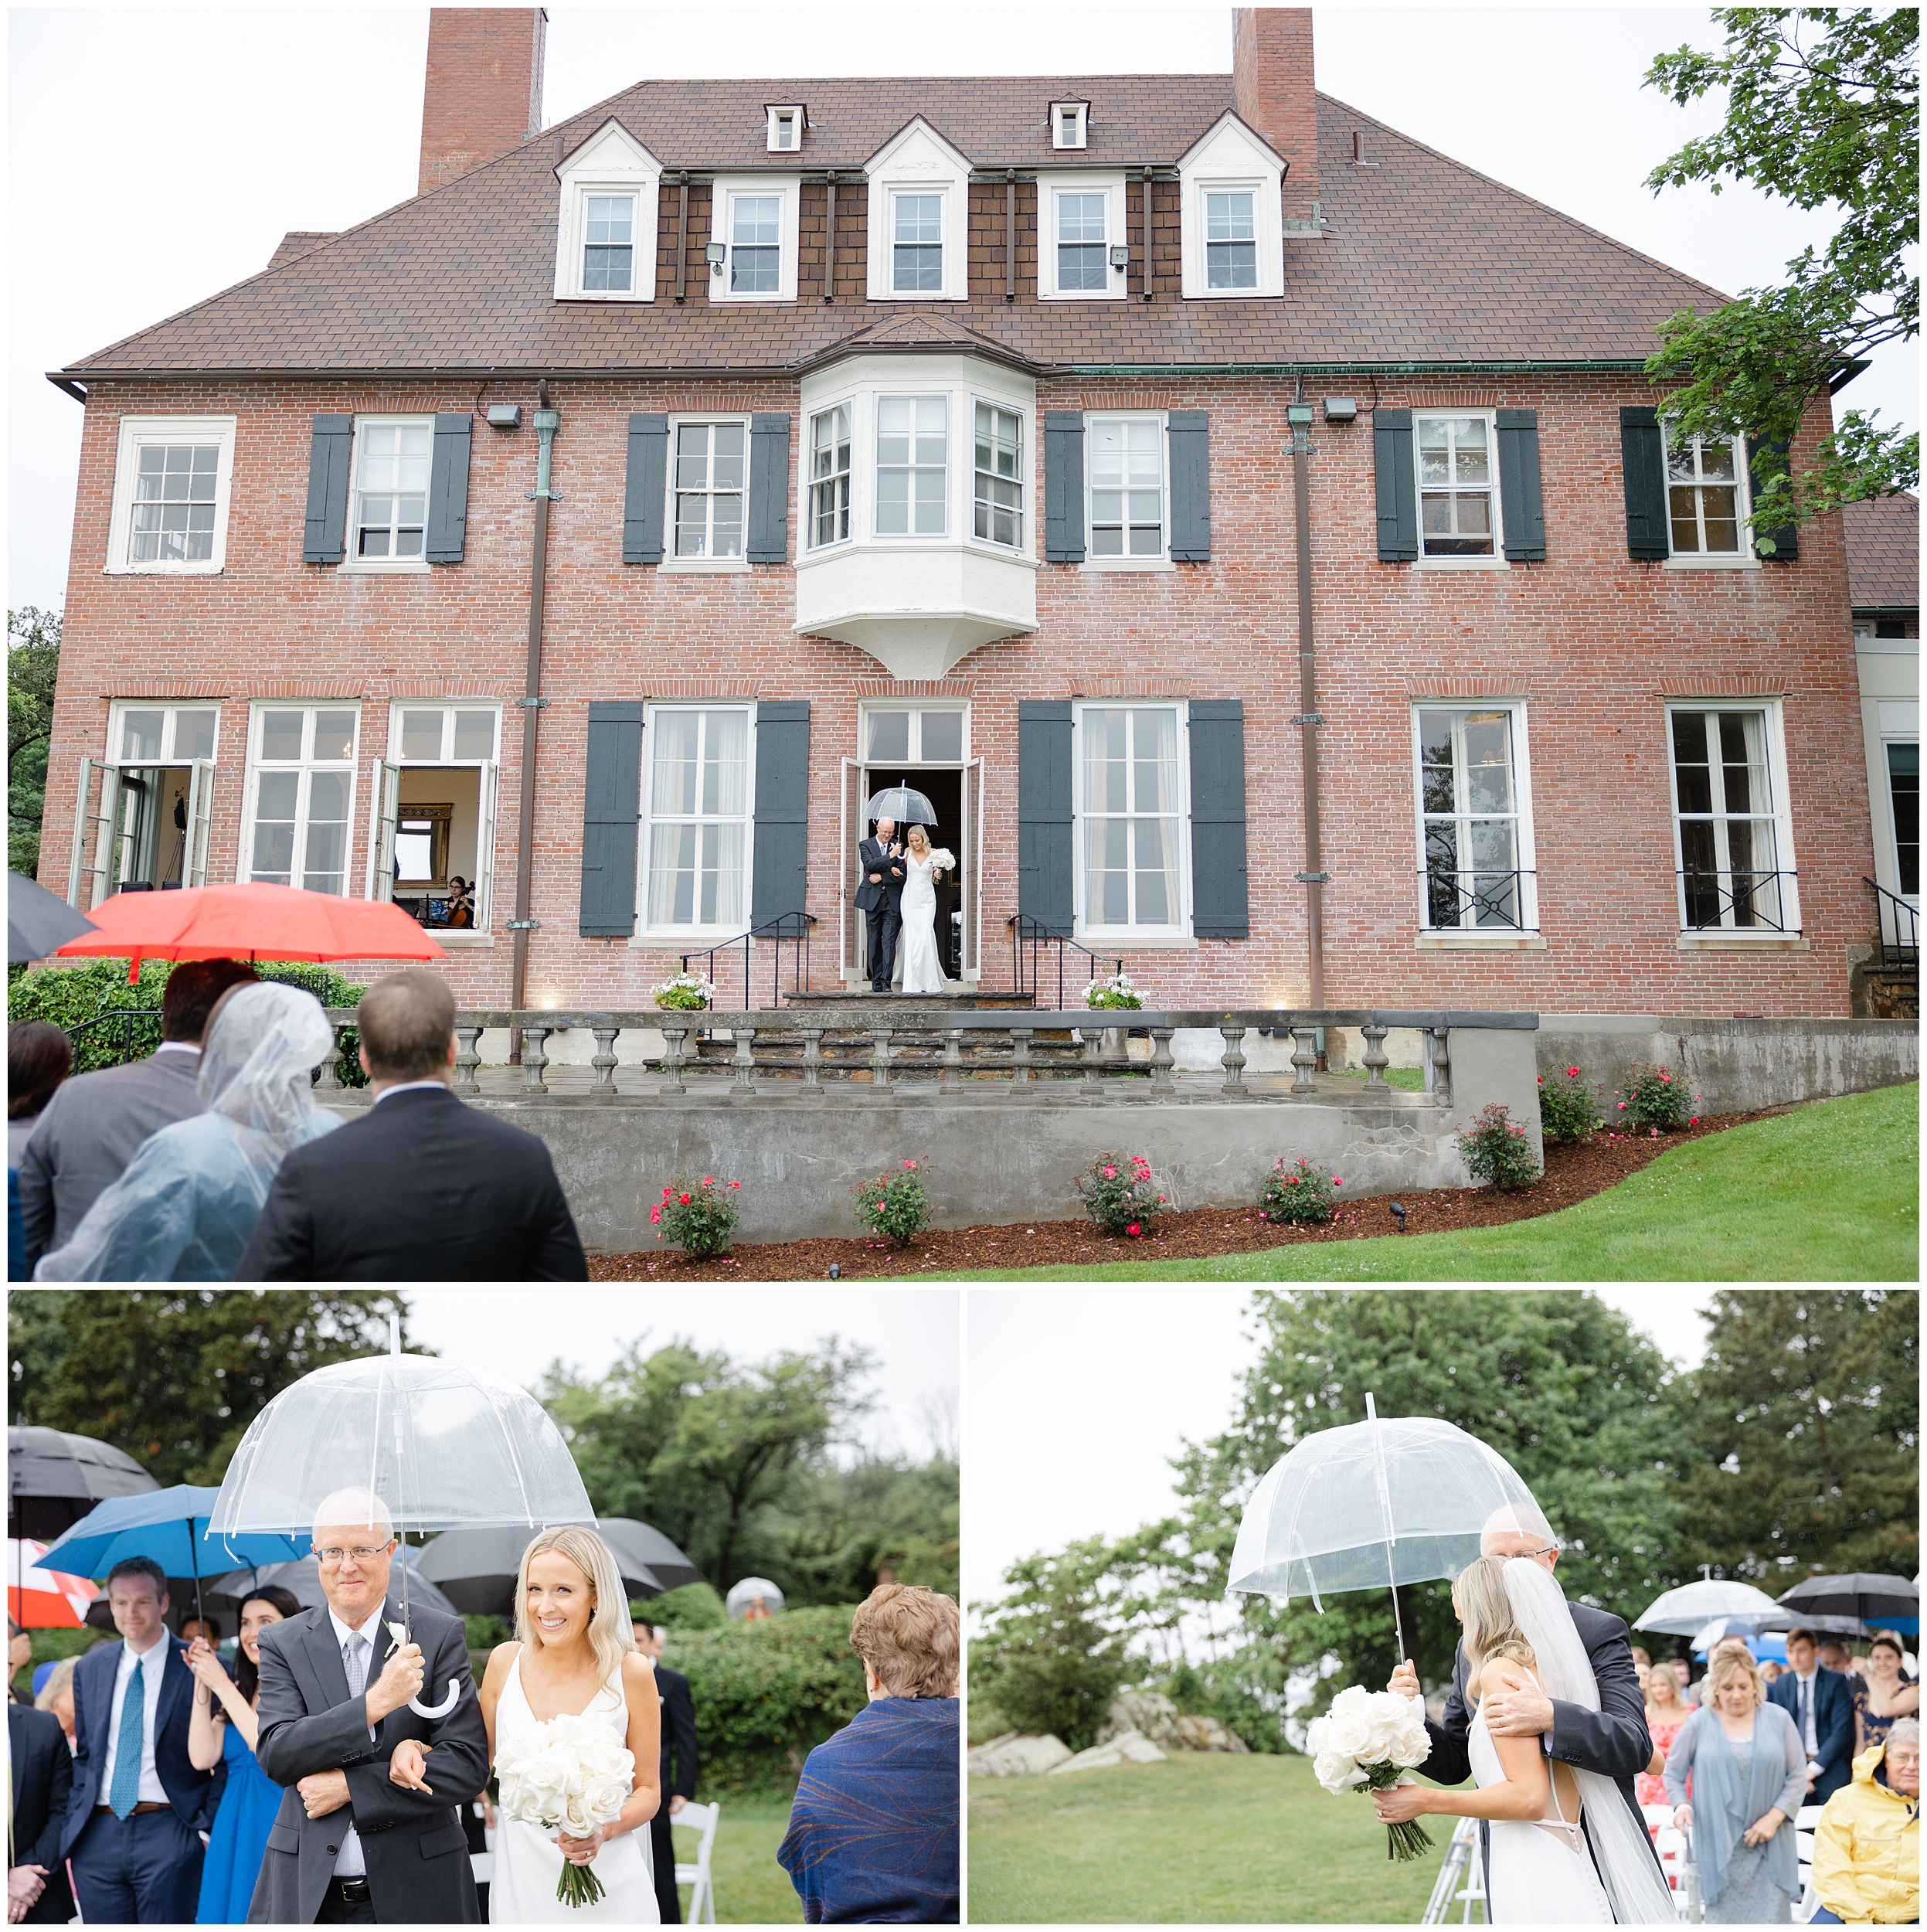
(187,1204)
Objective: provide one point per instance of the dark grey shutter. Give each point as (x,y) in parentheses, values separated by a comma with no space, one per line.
(783,809)
(448,490)
(642,498)
(1397,498)
(1189,438)
(1642,458)
(1521,506)
(325,537)
(611,815)
(1045,833)
(1220,898)
(768,540)
(1786,539)
(1063,486)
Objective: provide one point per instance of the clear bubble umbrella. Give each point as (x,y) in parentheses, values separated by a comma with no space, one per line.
(1688,1610)
(1373,1504)
(752,1598)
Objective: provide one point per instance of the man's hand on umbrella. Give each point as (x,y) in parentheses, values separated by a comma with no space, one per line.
(400,1679)
(409,1766)
(1519,1714)
(323,1792)
(1405,1680)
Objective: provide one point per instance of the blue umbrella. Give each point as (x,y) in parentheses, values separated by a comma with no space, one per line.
(170,1526)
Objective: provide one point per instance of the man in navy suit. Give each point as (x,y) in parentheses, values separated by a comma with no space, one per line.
(1820,1703)
(138,1806)
(43,1776)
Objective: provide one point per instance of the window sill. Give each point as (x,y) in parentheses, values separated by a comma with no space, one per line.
(1088,295)
(1234,294)
(1480,943)
(1711,563)
(689,942)
(460,942)
(1111,944)
(1743,943)
(927,545)
(720,299)
(1141,565)
(1463,563)
(163,570)
(605,295)
(703,567)
(408,569)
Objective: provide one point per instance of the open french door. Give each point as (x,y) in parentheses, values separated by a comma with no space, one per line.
(385,784)
(850,828)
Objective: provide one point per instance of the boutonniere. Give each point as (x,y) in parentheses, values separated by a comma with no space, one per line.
(399,1634)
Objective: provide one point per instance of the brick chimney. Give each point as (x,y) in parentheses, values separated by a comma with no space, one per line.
(1272,75)
(483,90)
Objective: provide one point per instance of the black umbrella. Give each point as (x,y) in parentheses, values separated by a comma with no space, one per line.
(635,1542)
(1872,1599)
(303,1577)
(899,804)
(54,1479)
(39,923)
(477,1568)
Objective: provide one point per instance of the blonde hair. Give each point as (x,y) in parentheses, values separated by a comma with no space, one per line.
(912,831)
(1724,1665)
(1676,1698)
(1491,1629)
(611,1635)
(63,1675)
(911,1638)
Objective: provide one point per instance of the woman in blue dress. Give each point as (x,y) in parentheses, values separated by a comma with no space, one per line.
(224,1725)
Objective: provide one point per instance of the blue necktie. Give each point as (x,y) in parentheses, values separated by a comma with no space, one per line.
(127,1757)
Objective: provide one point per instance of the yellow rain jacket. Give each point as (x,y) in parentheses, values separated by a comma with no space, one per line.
(1867,1851)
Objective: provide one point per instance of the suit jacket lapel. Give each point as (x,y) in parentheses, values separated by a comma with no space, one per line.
(324,1657)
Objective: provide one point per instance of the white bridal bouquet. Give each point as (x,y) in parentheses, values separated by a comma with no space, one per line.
(569,1775)
(1367,1741)
(944,859)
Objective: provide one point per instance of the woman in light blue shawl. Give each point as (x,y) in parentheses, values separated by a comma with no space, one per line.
(1749,1780)
(184,1209)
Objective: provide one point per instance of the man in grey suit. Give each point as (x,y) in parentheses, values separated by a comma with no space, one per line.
(349,1847)
(94,1124)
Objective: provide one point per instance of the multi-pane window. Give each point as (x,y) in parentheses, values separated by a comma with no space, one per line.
(755,249)
(1703,497)
(609,237)
(830,476)
(913,466)
(914,737)
(1127,462)
(916,240)
(785,129)
(391,502)
(1068,124)
(1083,256)
(1231,239)
(711,462)
(164,734)
(1470,835)
(1000,475)
(173,516)
(444,734)
(1455,486)
(1730,874)
(1132,818)
(698,809)
(303,792)
(1903,795)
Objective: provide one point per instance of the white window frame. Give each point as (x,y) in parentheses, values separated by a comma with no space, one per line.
(589,196)
(893,200)
(811,480)
(798,120)
(877,535)
(1524,844)
(696,935)
(1023,478)
(611,161)
(306,765)
(1161,561)
(868,708)
(1785,863)
(1498,559)
(671,564)
(1080,134)
(1742,559)
(1231,158)
(1126,938)
(352,562)
(139,432)
(918,160)
(487,800)
(725,192)
(168,754)
(1116,280)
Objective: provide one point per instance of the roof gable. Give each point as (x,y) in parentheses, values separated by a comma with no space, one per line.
(917,148)
(1229,145)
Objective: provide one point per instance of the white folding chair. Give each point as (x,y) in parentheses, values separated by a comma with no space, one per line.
(1805,1825)
(702,1895)
(1462,1857)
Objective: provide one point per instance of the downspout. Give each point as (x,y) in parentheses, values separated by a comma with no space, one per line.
(1298,415)
(829,238)
(547,422)
(1009,234)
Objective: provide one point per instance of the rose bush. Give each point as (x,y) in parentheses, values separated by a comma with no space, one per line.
(1496,1148)
(1649,1098)
(894,1204)
(1299,1193)
(1569,1108)
(698,1214)
(1119,1194)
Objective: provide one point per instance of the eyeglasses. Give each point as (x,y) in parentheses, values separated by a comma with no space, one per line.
(331,1556)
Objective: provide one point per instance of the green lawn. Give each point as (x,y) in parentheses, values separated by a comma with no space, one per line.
(1199,1837)
(1829,1192)
(752,1889)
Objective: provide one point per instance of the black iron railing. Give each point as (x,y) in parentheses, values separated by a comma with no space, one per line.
(1899,927)
(1496,900)
(128,1019)
(787,929)
(1032,933)
(1738,901)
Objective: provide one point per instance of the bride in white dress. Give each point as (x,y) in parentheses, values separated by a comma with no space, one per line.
(922,969)
(575,1655)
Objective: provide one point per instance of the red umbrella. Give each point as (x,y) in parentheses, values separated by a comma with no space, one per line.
(41,1599)
(248,922)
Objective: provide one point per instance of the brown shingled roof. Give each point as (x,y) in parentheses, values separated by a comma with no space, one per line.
(299,241)
(1883,553)
(1425,261)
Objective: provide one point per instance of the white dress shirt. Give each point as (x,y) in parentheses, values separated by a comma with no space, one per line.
(153,1661)
(349,1863)
(1805,1698)
(409,1087)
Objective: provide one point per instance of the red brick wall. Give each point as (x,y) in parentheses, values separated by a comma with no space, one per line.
(1272,76)
(1591,640)
(483,92)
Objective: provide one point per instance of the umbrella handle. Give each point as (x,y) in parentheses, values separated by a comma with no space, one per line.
(442,1709)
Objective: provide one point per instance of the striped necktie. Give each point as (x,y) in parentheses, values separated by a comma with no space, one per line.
(126,1791)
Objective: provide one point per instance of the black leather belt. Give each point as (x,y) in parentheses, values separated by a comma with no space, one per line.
(139,1810)
(349,1891)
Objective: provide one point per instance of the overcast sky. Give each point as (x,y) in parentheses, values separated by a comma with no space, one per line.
(1155,1367)
(158,154)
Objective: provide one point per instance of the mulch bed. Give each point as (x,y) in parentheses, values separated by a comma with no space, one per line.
(1573,1174)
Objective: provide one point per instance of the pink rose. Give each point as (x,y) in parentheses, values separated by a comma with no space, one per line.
(1133,1228)
(683,1198)
(737,1183)
(1111,1174)
(1572,1073)
(655,1214)
(708,1180)
(1621,1106)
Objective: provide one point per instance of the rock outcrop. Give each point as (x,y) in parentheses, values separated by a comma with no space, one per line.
(1132,1747)
(1156,1718)
(1013,1755)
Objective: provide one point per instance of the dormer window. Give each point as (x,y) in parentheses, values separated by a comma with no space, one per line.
(786,129)
(606,229)
(1068,123)
(608,257)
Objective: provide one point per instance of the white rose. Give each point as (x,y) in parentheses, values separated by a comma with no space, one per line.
(1354,1697)
(1349,1732)
(1412,1752)
(574,1818)
(1315,1736)
(1337,1773)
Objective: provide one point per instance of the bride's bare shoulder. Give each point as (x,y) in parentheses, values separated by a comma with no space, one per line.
(1500,1674)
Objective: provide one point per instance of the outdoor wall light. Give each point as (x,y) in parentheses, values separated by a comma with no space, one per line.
(1341,409)
(1399,1215)
(713,255)
(504,416)
(1120,255)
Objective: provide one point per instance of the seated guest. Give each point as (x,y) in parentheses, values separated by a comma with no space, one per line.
(421,1188)
(1821,1706)
(1882,1694)
(186,1207)
(96,1123)
(55,1695)
(1835,1656)
(1771,1671)
(201,1630)
(42,1774)
(1867,1851)
(850,1853)
(39,1059)
(461,902)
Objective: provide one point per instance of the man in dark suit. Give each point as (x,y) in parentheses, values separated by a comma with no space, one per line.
(421,1188)
(137,1806)
(677,1784)
(1820,1703)
(880,899)
(349,1846)
(1612,1740)
(37,1887)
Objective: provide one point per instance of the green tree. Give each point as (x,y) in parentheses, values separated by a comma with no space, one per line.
(1808,1430)
(33,664)
(174,1377)
(1052,1653)
(1823,107)
(850,1525)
